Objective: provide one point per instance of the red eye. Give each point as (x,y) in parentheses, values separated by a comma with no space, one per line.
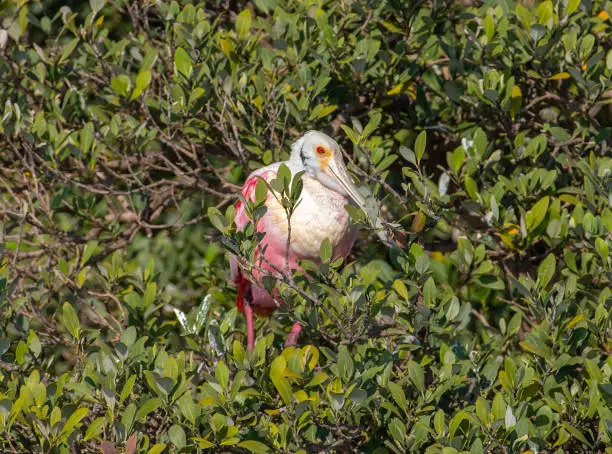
(320,150)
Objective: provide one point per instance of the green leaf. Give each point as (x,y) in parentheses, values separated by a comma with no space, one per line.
(453,308)
(572,5)
(177,436)
(237,381)
(68,49)
(400,289)
(182,62)
(398,395)
(203,443)
(88,251)
(72,421)
(524,15)
(516,101)
(563,436)
(386,162)
(23,19)
(456,421)
(325,251)
(419,145)
(188,407)
(156,384)
(121,84)
(284,174)
(277,369)
(483,411)
(577,434)
(429,292)
(94,429)
(34,344)
(536,146)
(602,248)
(158,448)
(96,5)
(222,374)
(489,27)
(127,389)
(261,191)
(491,281)
(243,23)
(471,188)
(320,111)
(417,375)
(454,90)
(256,447)
(351,134)
(150,405)
(537,214)
(20,352)
(544,12)
(217,219)
(202,314)
(546,270)
(345,363)
(397,429)
(536,346)
(457,159)
(372,124)
(87,137)
(71,320)
(142,82)
(319,378)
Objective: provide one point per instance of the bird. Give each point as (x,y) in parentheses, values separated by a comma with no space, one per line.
(320,214)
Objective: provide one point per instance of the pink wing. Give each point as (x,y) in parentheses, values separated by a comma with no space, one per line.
(260,297)
(248,192)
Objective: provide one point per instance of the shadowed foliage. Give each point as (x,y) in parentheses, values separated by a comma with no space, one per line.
(480,130)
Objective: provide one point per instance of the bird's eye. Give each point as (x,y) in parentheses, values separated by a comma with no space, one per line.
(320,150)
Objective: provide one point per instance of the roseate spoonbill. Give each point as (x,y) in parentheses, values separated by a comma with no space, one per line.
(320,214)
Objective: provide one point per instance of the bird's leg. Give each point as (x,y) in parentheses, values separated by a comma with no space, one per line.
(243,301)
(248,313)
(293,335)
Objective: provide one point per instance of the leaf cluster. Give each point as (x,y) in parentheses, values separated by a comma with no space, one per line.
(480,132)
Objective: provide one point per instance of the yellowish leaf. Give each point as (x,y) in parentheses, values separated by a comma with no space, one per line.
(309,353)
(437,256)
(391,27)
(560,76)
(226,46)
(575,320)
(418,222)
(207,401)
(568,198)
(400,289)
(300,395)
(396,90)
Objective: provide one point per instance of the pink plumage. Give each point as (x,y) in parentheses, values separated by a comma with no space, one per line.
(319,215)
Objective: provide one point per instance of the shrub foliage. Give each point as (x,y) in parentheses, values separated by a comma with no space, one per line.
(481,128)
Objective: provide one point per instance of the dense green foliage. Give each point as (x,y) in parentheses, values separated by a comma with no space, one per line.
(482,129)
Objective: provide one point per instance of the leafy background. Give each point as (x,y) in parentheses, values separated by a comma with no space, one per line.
(482,127)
